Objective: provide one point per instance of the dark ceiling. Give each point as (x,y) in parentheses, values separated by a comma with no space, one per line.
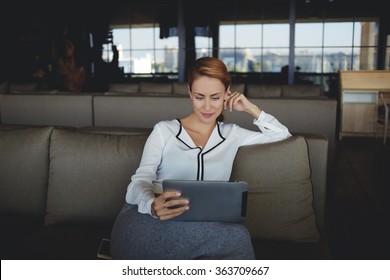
(246,9)
(200,11)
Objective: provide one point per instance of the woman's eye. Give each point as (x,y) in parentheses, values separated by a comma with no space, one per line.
(199,98)
(215,98)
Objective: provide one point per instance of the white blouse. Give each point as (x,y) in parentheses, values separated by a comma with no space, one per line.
(170,153)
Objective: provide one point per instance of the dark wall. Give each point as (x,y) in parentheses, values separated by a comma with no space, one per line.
(36,38)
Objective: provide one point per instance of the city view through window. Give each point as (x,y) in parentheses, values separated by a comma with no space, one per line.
(319,47)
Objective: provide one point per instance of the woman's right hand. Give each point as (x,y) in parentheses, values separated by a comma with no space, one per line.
(169,205)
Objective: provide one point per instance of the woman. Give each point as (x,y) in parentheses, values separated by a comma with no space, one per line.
(197,147)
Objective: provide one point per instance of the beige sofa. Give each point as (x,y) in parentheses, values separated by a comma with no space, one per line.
(102,112)
(250,90)
(178,89)
(61,189)
(159,89)
(284,91)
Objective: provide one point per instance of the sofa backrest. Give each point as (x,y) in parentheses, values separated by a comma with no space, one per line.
(302,91)
(150,87)
(180,88)
(124,87)
(261,91)
(56,110)
(239,87)
(138,111)
(289,91)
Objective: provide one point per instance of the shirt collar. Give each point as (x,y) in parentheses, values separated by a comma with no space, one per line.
(215,139)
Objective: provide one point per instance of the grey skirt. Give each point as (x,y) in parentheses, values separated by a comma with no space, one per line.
(137,236)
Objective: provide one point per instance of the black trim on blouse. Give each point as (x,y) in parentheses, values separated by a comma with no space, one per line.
(200,157)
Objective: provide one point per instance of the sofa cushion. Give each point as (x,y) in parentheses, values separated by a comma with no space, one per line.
(89,175)
(149,87)
(254,91)
(24,165)
(280,198)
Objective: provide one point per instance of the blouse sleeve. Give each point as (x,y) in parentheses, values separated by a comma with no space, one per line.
(271,131)
(140,190)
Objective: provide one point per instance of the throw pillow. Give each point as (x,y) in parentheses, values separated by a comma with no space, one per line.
(280,198)
(24,165)
(89,175)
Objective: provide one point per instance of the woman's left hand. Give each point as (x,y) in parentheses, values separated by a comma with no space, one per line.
(238,102)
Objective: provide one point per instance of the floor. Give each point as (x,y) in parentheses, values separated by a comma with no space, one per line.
(358,199)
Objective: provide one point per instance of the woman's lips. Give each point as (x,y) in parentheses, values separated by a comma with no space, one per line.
(207,115)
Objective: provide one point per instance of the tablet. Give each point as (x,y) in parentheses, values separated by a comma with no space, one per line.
(211,201)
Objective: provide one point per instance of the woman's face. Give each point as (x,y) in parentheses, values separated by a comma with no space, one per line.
(207,95)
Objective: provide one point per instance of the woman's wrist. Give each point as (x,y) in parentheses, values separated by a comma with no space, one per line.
(254,111)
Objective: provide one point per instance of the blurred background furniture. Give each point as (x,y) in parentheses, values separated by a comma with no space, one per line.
(359,101)
(383,112)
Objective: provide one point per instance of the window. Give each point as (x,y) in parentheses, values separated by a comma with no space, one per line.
(203,46)
(319,47)
(253,47)
(142,52)
(322,46)
(333,46)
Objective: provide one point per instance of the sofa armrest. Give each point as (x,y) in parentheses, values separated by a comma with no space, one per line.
(318,155)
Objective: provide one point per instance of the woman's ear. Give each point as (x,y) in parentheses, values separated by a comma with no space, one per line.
(227,92)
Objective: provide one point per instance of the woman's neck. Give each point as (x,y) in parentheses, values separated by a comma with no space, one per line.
(198,131)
